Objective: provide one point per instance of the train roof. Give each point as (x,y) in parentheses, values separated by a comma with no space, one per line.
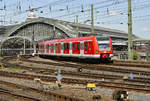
(69,39)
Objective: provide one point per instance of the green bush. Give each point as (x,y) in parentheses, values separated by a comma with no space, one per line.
(135,55)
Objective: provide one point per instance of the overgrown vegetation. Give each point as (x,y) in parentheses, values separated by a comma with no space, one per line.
(12,69)
(135,55)
(1,56)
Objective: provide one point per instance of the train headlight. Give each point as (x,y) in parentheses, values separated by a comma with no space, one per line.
(96,51)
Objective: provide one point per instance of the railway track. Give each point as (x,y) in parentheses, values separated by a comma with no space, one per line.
(99,83)
(135,61)
(93,67)
(32,94)
(13,96)
(128,86)
(78,74)
(81,75)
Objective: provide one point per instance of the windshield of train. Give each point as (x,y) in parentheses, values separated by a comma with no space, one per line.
(103,43)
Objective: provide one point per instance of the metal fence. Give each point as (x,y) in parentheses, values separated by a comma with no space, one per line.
(10,52)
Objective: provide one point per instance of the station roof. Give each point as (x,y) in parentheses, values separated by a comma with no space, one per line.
(72,26)
(142,40)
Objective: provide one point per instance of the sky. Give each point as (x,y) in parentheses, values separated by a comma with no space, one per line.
(107,13)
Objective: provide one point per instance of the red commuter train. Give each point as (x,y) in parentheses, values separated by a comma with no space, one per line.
(91,47)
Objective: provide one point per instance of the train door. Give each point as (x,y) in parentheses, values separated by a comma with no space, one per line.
(88,47)
(57,48)
(76,48)
(66,48)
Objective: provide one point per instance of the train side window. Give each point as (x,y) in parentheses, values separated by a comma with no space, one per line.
(43,46)
(86,46)
(78,46)
(56,46)
(64,45)
(47,46)
(67,46)
(74,46)
(52,47)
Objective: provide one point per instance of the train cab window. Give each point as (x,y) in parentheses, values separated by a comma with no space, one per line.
(86,46)
(104,46)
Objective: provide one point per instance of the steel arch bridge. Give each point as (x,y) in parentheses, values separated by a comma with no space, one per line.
(41,29)
(34,30)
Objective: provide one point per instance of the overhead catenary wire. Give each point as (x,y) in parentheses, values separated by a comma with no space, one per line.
(76,10)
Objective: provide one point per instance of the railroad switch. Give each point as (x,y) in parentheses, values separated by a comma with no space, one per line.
(90,86)
(44,85)
(58,84)
(125,78)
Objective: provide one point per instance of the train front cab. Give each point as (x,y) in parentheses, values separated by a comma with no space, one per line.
(105,48)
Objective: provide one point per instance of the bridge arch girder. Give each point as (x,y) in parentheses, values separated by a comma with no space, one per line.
(60,29)
(15,42)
